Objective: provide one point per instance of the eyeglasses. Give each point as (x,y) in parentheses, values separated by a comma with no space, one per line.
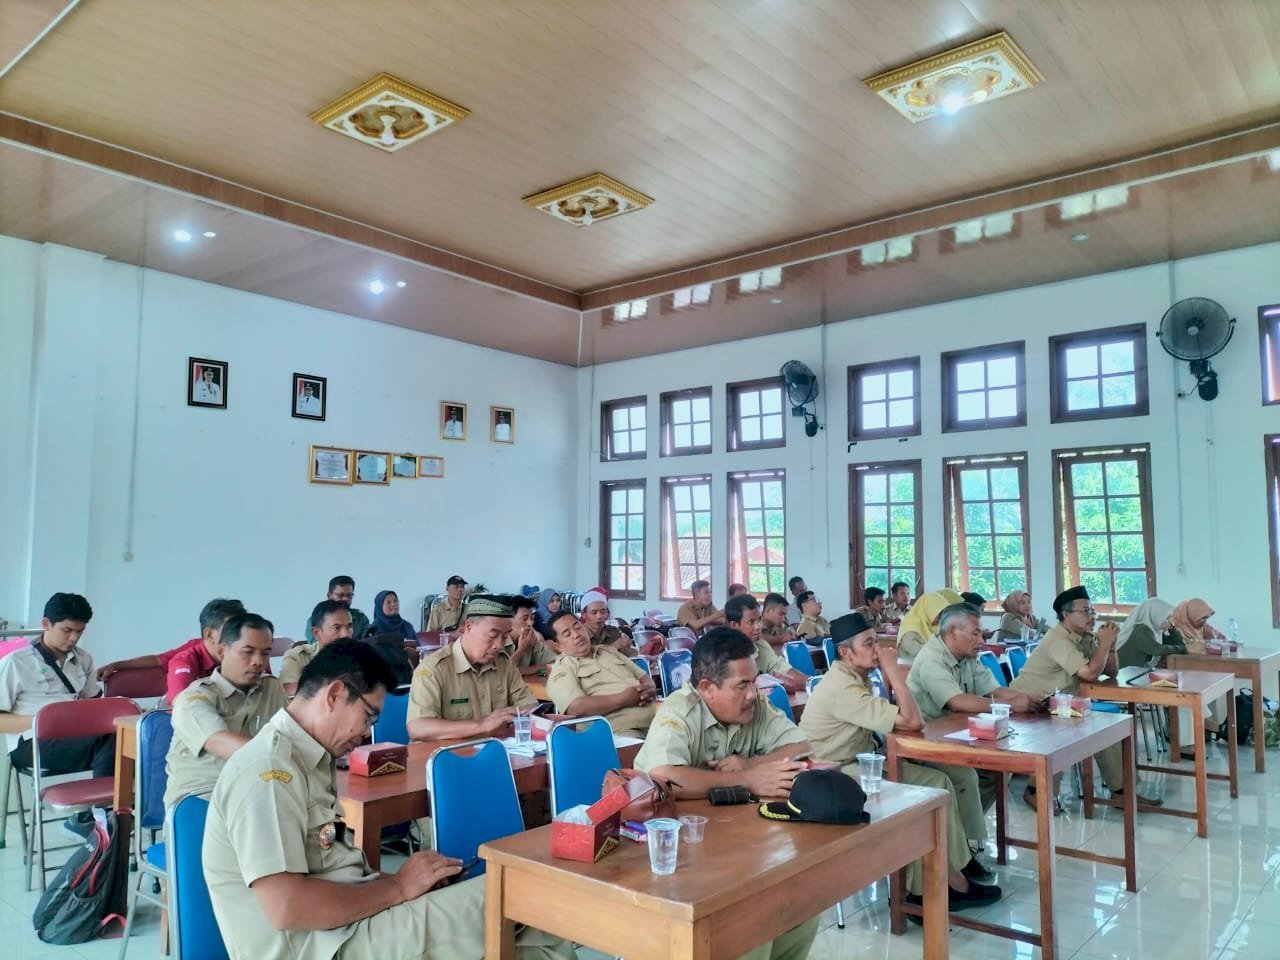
(371,716)
(1089,610)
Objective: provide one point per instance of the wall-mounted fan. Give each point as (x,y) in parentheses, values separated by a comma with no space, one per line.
(802,391)
(1196,329)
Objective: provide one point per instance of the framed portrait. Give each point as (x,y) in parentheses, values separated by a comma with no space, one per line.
(432,467)
(310,394)
(453,420)
(331,465)
(206,383)
(502,425)
(372,467)
(404,466)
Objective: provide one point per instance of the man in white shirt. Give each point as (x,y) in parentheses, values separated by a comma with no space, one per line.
(309,403)
(206,390)
(53,670)
(502,428)
(453,429)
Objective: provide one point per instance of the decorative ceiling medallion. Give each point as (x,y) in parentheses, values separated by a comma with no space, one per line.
(984,70)
(388,113)
(589,200)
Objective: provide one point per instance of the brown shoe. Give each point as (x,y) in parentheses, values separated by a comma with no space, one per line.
(1029,797)
(1149,801)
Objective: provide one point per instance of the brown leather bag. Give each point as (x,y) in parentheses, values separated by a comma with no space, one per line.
(650,796)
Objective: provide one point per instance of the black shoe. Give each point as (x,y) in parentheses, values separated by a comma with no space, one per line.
(976,870)
(916,901)
(79,825)
(978,895)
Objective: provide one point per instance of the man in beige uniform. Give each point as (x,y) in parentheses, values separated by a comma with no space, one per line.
(285,880)
(595,611)
(718,730)
(840,720)
(330,620)
(813,625)
(470,688)
(446,614)
(774,629)
(1069,653)
(219,714)
(872,609)
(523,644)
(699,613)
(743,613)
(598,681)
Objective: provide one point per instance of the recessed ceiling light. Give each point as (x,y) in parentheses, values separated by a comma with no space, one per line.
(401,284)
(1079,237)
(376,286)
(209,233)
(182,236)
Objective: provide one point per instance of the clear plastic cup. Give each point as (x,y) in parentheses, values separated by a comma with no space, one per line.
(523,723)
(664,844)
(1001,709)
(870,772)
(694,826)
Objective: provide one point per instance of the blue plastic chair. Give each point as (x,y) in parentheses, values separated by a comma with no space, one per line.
(1017,659)
(155,732)
(392,723)
(778,697)
(810,684)
(878,686)
(829,648)
(797,652)
(992,663)
(643,664)
(579,753)
(670,664)
(193,927)
(473,798)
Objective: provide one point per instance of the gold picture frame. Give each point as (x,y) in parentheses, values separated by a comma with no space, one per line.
(404,466)
(331,465)
(502,425)
(367,463)
(431,468)
(453,420)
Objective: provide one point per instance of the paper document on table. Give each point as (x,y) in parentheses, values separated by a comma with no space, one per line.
(620,742)
(964,736)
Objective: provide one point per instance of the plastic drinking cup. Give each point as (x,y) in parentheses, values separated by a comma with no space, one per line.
(523,723)
(664,844)
(870,771)
(694,826)
(1001,709)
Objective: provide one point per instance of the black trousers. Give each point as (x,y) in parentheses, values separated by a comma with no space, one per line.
(71,756)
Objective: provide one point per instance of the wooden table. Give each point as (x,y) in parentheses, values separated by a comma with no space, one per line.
(371,803)
(1247,663)
(1195,689)
(1040,747)
(538,686)
(126,761)
(749,881)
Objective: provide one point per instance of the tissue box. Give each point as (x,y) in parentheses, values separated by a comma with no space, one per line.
(1164,678)
(987,726)
(589,842)
(543,722)
(376,759)
(1067,705)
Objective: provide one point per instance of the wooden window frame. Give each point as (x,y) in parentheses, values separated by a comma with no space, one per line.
(606,428)
(737,529)
(1058,346)
(1067,560)
(667,448)
(607,487)
(670,543)
(1269,352)
(857,557)
(950,400)
(955,538)
(1271,457)
(733,394)
(856,374)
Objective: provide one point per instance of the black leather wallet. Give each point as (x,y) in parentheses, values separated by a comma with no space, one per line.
(720,796)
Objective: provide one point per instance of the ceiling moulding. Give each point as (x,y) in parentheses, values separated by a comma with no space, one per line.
(977,72)
(589,200)
(389,113)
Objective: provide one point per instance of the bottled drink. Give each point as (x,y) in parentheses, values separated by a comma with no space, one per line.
(1233,630)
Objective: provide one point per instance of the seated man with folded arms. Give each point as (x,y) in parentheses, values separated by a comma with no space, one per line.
(470,688)
(53,669)
(743,613)
(216,716)
(595,611)
(813,625)
(946,676)
(330,620)
(698,613)
(872,609)
(193,660)
(774,629)
(598,681)
(524,645)
(343,589)
(285,878)
(840,720)
(1069,653)
(718,730)
(446,614)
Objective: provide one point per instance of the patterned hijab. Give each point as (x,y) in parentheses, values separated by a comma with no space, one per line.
(1152,614)
(1186,614)
(1011,605)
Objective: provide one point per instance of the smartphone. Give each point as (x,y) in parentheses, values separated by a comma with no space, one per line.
(803,756)
(540,708)
(468,866)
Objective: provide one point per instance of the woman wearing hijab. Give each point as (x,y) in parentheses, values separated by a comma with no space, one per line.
(1017,615)
(1189,624)
(921,621)
(548,606)
(1146,635)
(387,619)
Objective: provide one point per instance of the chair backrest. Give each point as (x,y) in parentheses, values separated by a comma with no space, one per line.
(473,798)
(194,928)
(393,722)
(155,731)
(579,752)
(674,667)
(992,663)
(643,664)
(878,686)
(797,653)
(1031,647)
(811,683)
(1017,659)
(679,632)
(280,646)
(829,648)
(80,718)
(141,683)
(9,645)
(778,697)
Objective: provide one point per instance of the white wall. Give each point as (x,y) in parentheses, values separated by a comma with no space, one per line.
(1223,555)
(223,506)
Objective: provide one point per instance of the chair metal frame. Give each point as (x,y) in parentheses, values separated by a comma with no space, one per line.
(573,722)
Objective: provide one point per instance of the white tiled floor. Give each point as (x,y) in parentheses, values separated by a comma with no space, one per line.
(1212,899)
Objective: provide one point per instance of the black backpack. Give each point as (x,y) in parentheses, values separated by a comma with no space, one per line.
(1244,716)
(91,890)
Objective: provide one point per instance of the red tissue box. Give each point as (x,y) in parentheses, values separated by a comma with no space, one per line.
(987,726)
(376,759)
(543,722)
(1069,705)
(1164,678)
(590,842)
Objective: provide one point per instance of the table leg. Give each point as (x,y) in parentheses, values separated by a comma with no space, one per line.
(121,796)
(365,824)
(1002,818)
(1232,751)
(897,879)
(499,932)
(1175,748)
(936,896)
(1086,784)
(1202,784)
(1128,757)
(1046,854)
(1259,736)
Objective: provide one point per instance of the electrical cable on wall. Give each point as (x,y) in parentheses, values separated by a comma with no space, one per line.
(131,489)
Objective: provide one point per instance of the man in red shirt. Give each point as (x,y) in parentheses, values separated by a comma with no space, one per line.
(190,662)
